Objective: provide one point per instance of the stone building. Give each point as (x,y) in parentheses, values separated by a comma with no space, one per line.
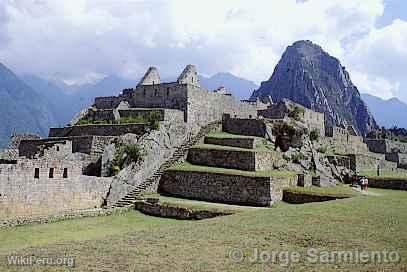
(286,108)
(51,181)
(198,105)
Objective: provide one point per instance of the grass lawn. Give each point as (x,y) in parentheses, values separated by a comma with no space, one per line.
(185,166)
(397,174)
(135,242)
(198,205)
(225,135)
(337,191)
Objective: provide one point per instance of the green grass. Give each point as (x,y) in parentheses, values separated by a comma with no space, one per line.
(225,135)
(196,205)
(397,174)
(134,242)
(260,147)
(336,191)
(222,147)
(185,166)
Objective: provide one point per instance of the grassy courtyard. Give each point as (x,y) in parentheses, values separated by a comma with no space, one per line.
(135,242)
(185,166)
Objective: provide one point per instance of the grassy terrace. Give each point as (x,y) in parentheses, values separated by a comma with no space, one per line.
(397,174)
(198,205)
(225,135)
(337,191)
(135,242)
(185,166)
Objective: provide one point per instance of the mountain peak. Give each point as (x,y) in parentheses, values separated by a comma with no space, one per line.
(311,77)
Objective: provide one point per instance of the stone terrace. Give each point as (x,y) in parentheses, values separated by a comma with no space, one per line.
(221,172)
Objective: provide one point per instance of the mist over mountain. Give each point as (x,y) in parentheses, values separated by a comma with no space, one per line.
(66,100)
(311,77)
(22,109)
(388,113)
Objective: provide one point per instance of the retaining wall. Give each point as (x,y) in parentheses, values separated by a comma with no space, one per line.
(222,188)
(394,184)
(248,143)
(98,130)
(248,127)
(242,160)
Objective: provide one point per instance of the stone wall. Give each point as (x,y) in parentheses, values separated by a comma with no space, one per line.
(91,145)
(49,184)
(222,188)
(204,107)
(365,162)
(163,114)
(311,119)
(165,95)
(386,146)
(98,130)
(234,159)
(176,212)
(341,161)
(108,102)
(28,197)
(248,143)
(94,114)
(248,127)
(394,184)
(302,198)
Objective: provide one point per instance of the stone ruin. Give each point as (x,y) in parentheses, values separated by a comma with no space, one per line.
(72,168)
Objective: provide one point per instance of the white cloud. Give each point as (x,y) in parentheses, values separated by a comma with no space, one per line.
(75,40)
(383,55)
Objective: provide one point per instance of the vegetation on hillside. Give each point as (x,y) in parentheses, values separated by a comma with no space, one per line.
(125,154)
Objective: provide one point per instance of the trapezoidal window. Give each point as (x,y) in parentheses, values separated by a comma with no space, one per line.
(65,173)
(51,173)
(37,173)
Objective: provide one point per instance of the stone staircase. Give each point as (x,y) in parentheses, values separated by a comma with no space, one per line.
(178,156)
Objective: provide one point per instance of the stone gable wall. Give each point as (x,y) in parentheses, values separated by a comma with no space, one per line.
(386,146)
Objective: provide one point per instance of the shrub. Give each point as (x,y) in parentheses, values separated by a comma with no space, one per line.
(322,149)
(125,153)
(132,120)
(94,122)
(297,113)
(298,157)
(314,135)
(154,120)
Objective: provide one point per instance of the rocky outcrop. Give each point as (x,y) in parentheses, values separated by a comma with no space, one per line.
(157,146)
(311,77)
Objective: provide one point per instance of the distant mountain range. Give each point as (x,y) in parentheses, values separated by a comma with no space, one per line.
(32,104)
(242,88)
(388,113)
(22,109)
(66,100)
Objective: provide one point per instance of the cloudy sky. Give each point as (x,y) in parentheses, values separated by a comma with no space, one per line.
(84,40)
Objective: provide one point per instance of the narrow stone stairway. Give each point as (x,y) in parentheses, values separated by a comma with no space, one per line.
(178,156)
